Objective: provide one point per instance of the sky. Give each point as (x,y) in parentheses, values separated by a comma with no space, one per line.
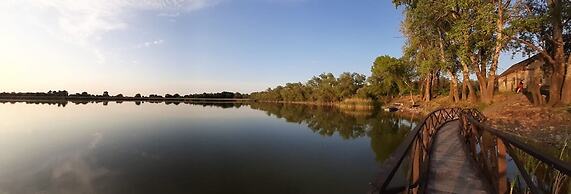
(190,46)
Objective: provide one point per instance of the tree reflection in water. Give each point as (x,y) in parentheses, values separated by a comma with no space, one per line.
(63,103)
(386,130)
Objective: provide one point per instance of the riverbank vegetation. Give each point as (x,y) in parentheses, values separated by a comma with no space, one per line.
(390,77)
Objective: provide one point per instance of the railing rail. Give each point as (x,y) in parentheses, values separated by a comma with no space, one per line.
(493,150)
(419,140)
(406,170)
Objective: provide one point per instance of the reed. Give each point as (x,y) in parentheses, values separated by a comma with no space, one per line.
(356,104)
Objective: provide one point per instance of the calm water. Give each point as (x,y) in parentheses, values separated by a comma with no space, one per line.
(192,148)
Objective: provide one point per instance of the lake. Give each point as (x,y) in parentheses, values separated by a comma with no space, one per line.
(192,148)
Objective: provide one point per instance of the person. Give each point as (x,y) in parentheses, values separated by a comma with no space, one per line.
(519,87)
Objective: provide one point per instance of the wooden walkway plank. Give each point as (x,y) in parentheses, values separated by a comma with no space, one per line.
(452,169)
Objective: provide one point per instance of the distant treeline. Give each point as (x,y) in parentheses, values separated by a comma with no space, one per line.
(218,95)
(62,94)
(63,103)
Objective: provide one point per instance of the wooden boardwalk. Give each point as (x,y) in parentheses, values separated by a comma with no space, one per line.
(455,163)
(452,169)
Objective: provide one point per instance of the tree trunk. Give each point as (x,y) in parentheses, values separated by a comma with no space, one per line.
(556,84)
(421,87)
(558,75)
(467,83)
(479,66)
(472,92)
(534,86)
(428,87)
(481,81)
(566,93)
(454,96)
(464,88)
(488,93)
(436,79)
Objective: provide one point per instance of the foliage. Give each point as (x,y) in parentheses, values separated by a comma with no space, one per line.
(390,76)
(323,88)
(223,94)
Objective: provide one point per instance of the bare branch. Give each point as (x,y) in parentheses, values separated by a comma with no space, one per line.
(539,50)
(507,4)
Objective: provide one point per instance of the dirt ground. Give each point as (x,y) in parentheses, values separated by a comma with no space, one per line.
(512,113)
(515,114)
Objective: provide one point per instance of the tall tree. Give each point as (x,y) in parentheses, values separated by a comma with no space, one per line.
(501,7)
(434,18)
(473,34)
(421,51)
(543,27)
(469,35)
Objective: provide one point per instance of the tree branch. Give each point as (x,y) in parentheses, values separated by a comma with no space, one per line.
(566,22)
(542,52)
(507,4)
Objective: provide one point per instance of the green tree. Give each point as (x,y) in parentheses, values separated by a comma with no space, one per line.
(390,76)
(421,51)
(323,87)
(468,35)
(348,84)
(434,21)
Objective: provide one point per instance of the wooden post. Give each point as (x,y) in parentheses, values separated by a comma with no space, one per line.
(474,134)
(426,141)
(416,165)
(502,167)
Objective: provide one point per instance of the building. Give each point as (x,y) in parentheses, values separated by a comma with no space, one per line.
(532,72)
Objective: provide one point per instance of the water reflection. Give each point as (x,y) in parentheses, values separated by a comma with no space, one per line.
(63,103)
(72,172)
(386,130)
(192,148)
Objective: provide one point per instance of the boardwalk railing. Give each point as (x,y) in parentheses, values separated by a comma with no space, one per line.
(493,150)
(406,170)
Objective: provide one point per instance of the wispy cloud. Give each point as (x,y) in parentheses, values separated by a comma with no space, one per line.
(150,43)
(170,15)
(85,22)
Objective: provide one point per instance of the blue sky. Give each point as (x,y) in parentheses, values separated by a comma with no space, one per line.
(188,46)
